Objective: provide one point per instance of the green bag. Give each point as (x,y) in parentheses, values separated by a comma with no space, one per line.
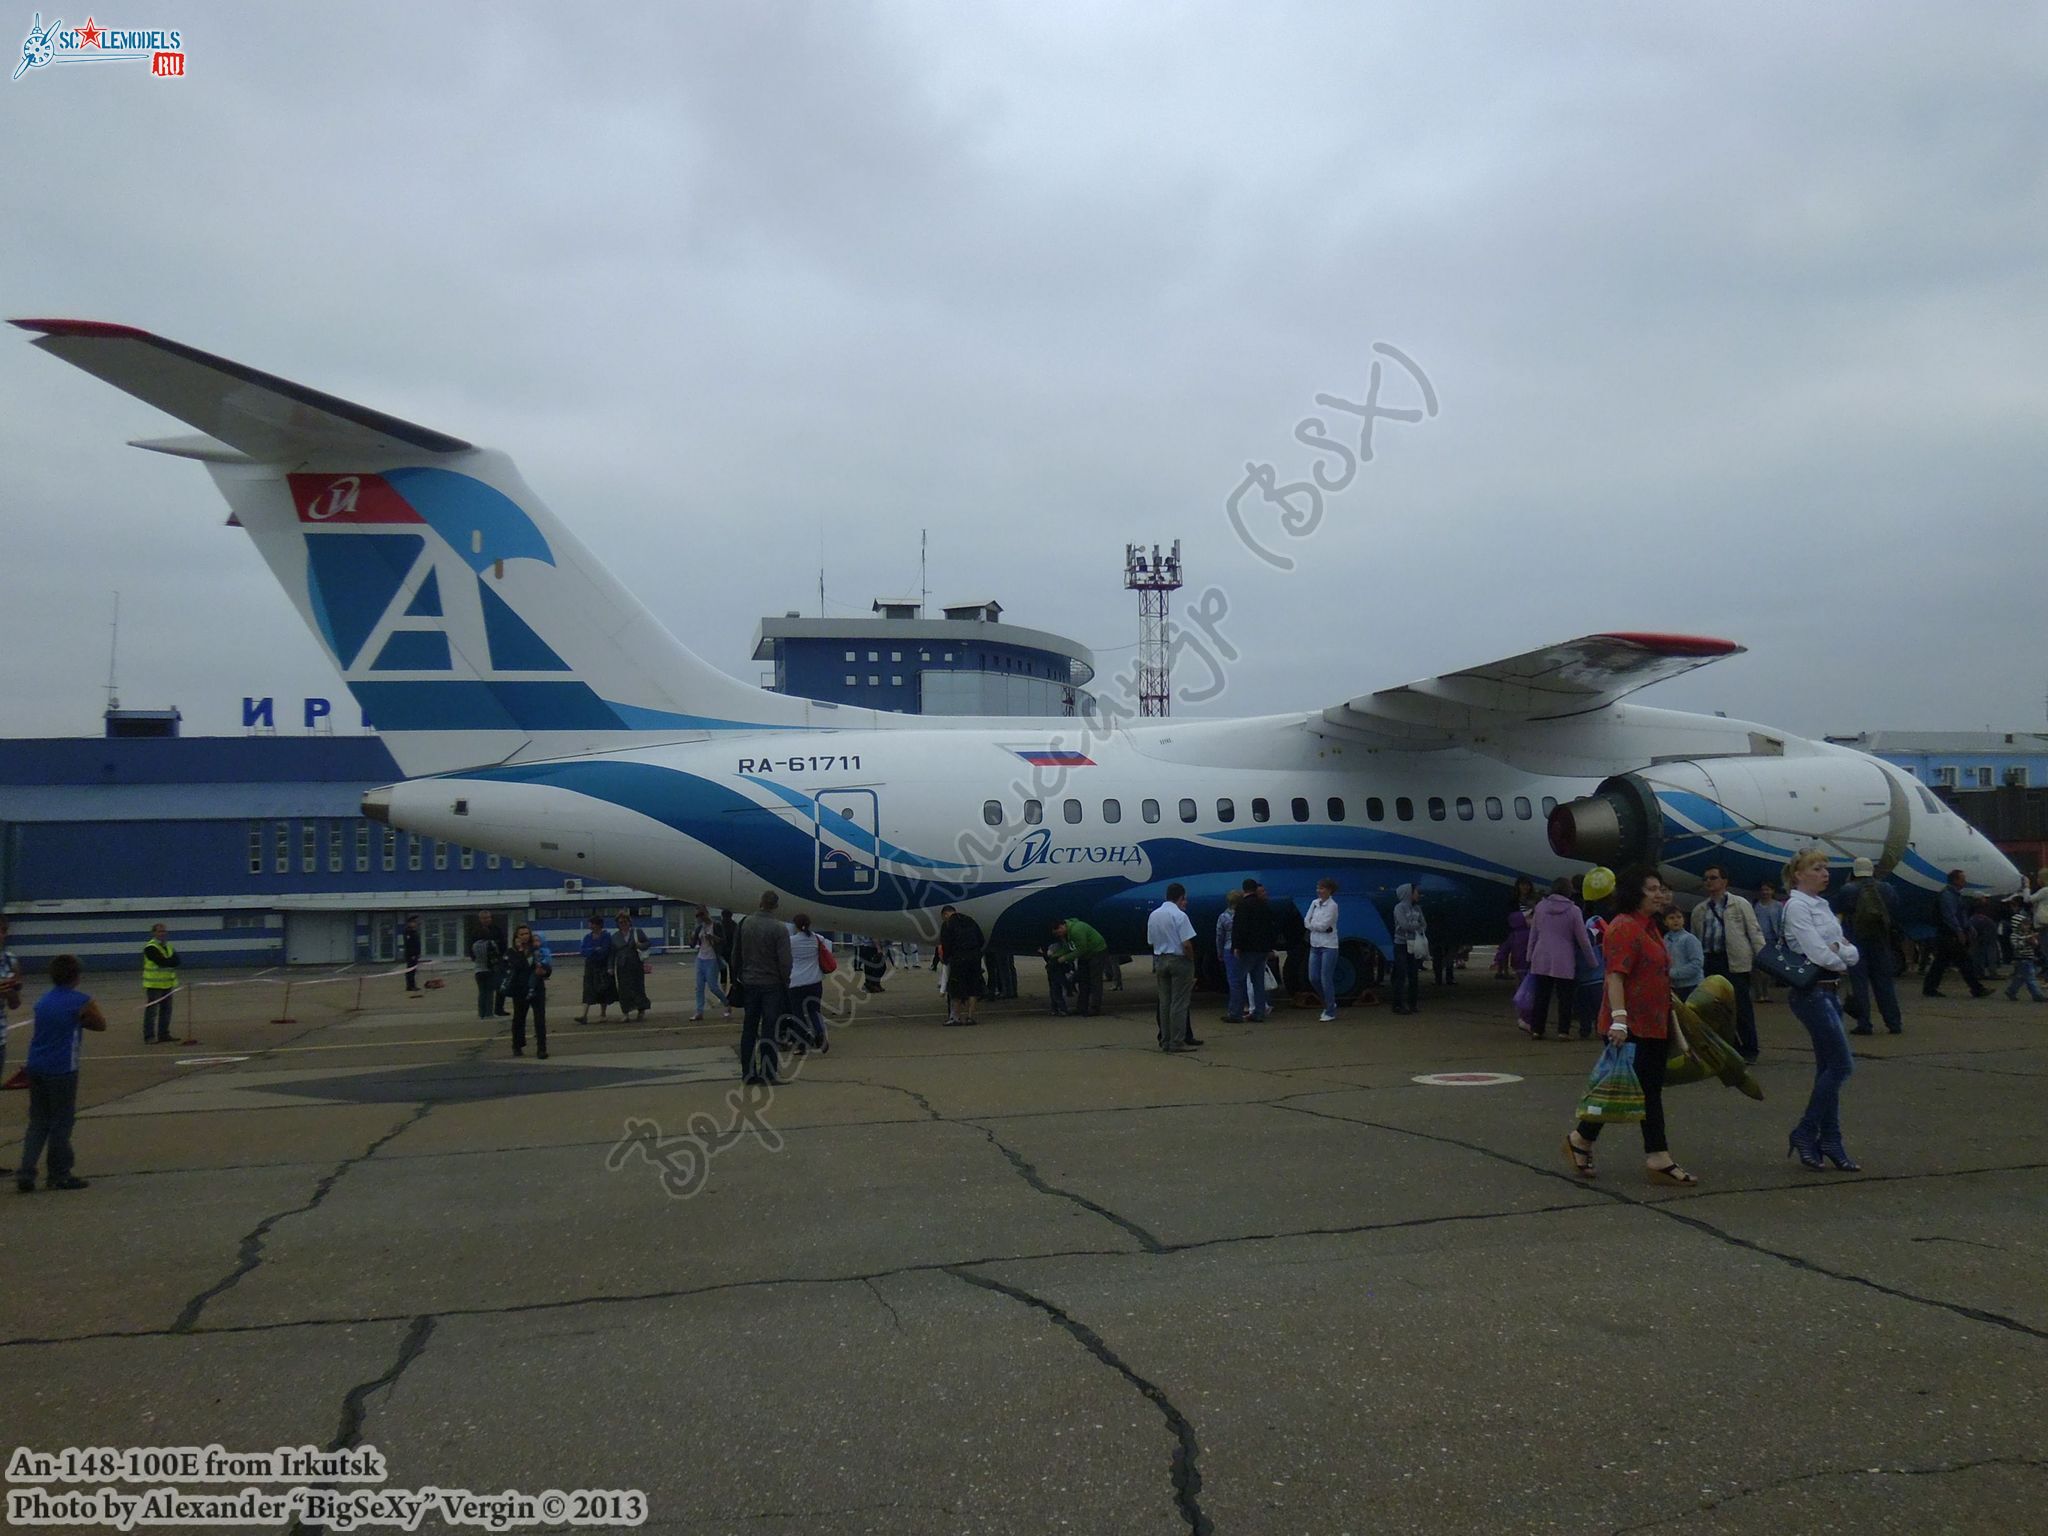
(1614,1095)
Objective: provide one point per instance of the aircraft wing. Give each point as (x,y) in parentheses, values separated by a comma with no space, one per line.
(272,420)
(1572,678)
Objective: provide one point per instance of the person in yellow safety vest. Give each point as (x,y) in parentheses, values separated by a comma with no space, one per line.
(159,981)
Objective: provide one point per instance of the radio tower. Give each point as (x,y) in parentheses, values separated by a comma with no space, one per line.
(1155,580)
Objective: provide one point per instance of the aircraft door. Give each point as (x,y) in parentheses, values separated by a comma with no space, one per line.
(848,823)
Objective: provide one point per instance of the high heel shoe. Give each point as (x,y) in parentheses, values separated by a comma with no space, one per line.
(1808,1152)
(1838,1154)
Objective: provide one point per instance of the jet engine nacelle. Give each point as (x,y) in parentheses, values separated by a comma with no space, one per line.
(1748,814)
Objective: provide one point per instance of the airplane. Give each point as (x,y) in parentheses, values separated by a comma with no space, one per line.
(540,712)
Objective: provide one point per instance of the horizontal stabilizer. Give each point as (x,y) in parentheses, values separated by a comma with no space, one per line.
(271,420)
(1571,678)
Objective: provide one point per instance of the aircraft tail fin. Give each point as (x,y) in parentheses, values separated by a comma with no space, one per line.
(468,623)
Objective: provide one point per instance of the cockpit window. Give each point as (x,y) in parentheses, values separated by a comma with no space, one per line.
(1927,799)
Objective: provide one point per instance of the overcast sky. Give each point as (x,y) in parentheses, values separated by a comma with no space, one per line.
(1736,317)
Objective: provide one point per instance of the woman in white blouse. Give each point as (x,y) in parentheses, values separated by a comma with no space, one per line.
(1811,929)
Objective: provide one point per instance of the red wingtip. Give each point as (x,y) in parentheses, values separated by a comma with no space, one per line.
(1679,645)
(82,328)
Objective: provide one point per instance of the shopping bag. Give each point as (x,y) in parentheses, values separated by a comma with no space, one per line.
(1525,1001)
(1613,1094)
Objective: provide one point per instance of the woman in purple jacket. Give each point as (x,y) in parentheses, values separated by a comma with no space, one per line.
(1557,946)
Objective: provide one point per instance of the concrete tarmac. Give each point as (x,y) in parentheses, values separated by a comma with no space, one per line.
(1037,1276)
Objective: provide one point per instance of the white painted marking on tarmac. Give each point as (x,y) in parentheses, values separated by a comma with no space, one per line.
(208,1061)
(1465,1079)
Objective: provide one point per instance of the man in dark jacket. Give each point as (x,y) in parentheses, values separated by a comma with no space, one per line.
(410,940)
(960,945)
(1952,939)
(1253,935)
(763,966)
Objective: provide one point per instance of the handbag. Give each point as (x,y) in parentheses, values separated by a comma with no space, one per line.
(827,961)
(1781,962)
(1418,946)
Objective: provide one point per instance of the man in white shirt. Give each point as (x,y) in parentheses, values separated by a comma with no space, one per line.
(1172,935)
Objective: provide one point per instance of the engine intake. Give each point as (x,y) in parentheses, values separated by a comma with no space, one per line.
(1619,824)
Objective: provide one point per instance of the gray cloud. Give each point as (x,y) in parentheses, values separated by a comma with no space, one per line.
(1736,316)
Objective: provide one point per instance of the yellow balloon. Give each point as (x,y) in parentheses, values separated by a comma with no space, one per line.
(1599,883)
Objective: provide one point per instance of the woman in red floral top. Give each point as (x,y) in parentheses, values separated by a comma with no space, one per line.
(1635,1006)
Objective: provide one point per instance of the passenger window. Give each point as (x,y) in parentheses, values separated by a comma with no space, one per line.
(1436,808)
(1149,810)
(1261,811)
(1493,808)
(1034,813)
(1071,809)
(1225,811)
(1300,809)
(1404,808)
(992,812)
(1522,811)
(1187,810)
(1549,805)
(1464,808)
(1112,811)
(1375,809)
(1336,808)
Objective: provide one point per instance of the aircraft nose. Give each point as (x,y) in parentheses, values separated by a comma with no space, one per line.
(377,805)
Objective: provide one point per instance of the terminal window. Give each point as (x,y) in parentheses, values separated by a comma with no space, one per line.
(1187,810)
(334,848)
(896,680)
(1149,810)
(412,850)
(874,681)
(390,848)
(491,860)
(362,847)
(851,680)
(256,849)
(309,847)
(440,853)
(874,655)
(895,655)
(468,858)
(284,847)
(850,656)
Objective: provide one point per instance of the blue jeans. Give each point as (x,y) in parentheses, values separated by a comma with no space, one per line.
(1233,973)
(1407,976)
(1322,975)
(1254,969)
(1817,1008)
(707,976)
(2023,976)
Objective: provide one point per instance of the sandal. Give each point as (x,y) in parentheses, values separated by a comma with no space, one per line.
(1671,1173)
(1581,1157)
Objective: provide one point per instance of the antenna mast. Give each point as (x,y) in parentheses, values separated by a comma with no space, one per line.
(114,656)
(1155,579)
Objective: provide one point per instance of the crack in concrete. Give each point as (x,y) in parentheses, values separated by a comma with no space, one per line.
(1664,1209)
(1185,1468)
(251,1251)
(1029,1173)
(1947,1469)
(875,1290)
(355,1405)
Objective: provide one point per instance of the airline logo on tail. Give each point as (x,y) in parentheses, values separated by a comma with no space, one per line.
(401,566)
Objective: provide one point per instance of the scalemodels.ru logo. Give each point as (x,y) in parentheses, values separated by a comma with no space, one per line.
(92,43)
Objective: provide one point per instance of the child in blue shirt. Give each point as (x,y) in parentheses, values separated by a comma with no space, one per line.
(1688,960)
(62,1015)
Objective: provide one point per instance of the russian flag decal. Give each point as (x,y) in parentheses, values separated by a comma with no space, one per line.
(1048,757)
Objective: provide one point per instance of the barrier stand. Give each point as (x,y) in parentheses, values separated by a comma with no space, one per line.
(359,994)
(284,1009)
